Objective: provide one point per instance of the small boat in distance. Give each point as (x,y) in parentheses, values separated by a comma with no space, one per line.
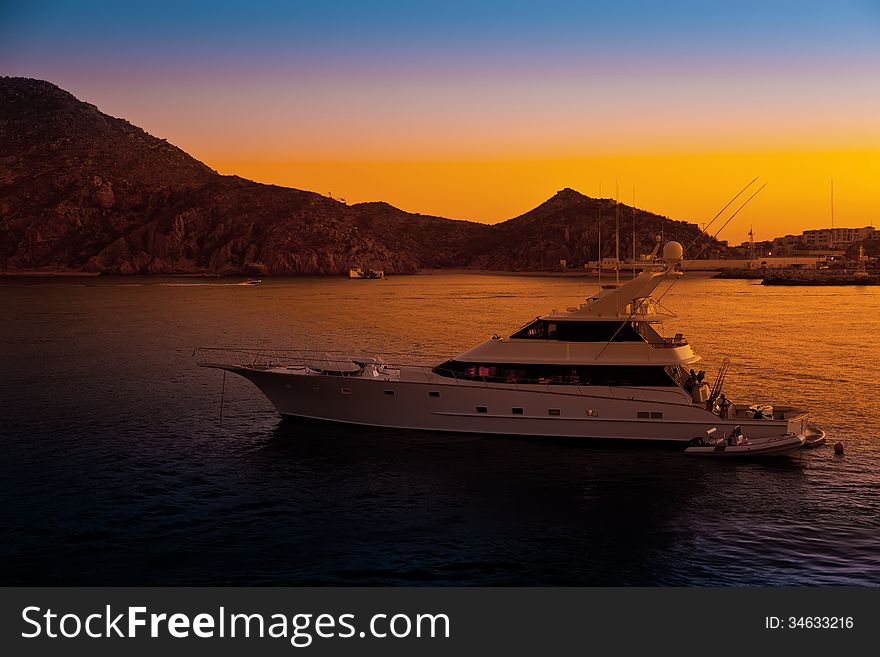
(360,272)
(736,444)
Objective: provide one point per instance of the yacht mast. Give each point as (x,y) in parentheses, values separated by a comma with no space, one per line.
(633,210)
(617,231)
(599,229)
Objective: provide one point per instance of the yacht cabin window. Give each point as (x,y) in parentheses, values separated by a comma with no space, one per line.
(580,375)
(573,331)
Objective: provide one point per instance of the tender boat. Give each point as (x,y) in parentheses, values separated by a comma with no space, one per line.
(738,445)
(598,370)
(814,437)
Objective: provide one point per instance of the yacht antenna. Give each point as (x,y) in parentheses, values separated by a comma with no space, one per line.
(633,209)
(617,231)
(599,229)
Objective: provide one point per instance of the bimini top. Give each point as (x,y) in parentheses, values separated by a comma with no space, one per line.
(631,300)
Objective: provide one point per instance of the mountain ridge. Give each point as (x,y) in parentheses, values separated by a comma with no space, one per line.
(82,191)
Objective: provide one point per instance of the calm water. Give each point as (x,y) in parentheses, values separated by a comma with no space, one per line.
(116,469)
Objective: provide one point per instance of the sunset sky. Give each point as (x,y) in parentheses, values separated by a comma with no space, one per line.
(482,112)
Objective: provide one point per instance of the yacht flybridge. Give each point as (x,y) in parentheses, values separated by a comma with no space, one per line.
(598,370)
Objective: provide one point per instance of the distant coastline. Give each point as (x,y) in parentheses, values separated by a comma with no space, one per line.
(452,271)
(49,274)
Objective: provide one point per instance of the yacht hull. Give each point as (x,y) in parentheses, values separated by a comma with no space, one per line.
(441,404)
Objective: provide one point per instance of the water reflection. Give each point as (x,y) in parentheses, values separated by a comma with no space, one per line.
(565,511)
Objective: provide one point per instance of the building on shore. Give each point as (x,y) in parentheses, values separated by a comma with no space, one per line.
(822,238)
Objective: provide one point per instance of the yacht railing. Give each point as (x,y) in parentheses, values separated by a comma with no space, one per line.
(669,343)
(339,363)
(268,358)
(658,341)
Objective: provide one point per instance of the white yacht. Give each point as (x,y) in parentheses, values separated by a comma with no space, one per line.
(599,370)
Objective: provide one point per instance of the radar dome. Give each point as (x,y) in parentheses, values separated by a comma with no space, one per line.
(672,252)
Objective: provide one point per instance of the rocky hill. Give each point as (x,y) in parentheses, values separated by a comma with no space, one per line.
(566,227)
(83,191)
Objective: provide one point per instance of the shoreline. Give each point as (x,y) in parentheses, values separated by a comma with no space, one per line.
(625,274)
(50,274)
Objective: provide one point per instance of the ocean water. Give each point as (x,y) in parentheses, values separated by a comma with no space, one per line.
(117,469)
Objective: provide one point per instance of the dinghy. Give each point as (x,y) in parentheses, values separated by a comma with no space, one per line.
(814,437)
(738,445)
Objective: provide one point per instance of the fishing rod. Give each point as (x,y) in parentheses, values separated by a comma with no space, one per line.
(705,246)
(636,307)
(724,225)
(719,213)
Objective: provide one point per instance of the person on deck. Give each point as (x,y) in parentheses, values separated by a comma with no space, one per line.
(689,383)
(723,406)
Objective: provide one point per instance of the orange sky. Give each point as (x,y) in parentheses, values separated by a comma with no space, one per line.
(689,186)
